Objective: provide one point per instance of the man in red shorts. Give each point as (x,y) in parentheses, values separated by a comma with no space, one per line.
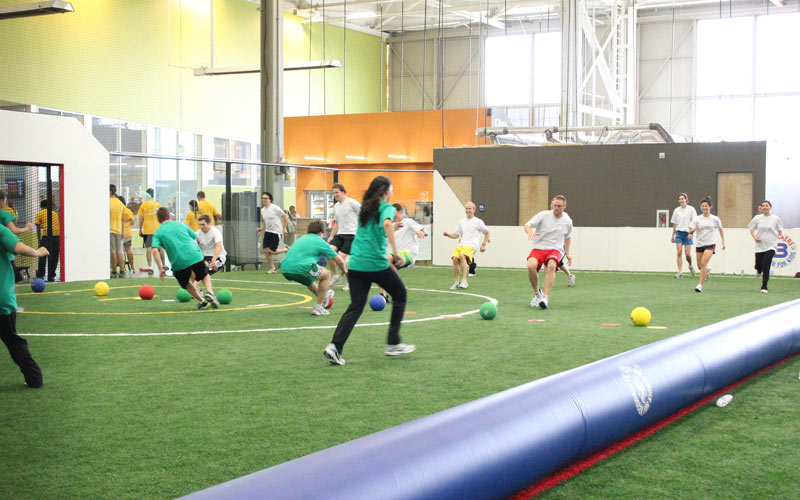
(550,232)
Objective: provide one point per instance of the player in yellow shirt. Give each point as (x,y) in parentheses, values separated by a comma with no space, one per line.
(207,208)
(50,239)
(192,216)
(116,212)
(127,243)
(148,224)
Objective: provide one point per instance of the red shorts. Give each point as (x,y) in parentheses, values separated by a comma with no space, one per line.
(543,256)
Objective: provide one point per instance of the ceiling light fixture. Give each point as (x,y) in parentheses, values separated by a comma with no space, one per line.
(399,157)
(351,157)
(314,158)
(35,9)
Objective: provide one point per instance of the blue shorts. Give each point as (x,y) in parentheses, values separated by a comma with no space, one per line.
(683,237)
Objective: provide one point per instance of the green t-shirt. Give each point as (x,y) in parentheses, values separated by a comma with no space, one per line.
(8,300)
(368,252)
(177,239)
(6,217)
(304,252)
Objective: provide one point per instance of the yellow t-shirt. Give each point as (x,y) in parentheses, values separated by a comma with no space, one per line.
(191,221)
(207,208)
(41,220)
(116,210)
(10,209)
(127,222)
(150,222)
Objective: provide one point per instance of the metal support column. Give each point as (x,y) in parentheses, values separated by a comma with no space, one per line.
(272,96)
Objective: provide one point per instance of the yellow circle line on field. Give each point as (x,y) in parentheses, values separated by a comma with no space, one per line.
(305,298)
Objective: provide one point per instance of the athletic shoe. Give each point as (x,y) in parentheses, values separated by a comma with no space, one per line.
(764,290)
(212,299)
(202,305)
(333,355)
(708,274)
(113,275)
(680,275)
(463,284)
(319,310)
(698,288)
(399,349)
(692,270)
(455,286)
(346,287)
(758,274)
(537,297)
(471,274)
(328,298)
(571,280)
(151,272)
(544,303)
(385,297)
(272,271)
(336,280)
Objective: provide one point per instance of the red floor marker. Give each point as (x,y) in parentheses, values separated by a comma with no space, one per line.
(451,316)
(536,320)
(610,324)
(411,312)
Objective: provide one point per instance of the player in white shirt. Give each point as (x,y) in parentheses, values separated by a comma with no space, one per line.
(209,239)
(274,223)
(407,233)
(706,227)
(551,234)
(681,217)
(345,225)
(468,232)
(765,229)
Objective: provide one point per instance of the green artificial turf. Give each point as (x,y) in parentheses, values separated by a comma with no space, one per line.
(162,416)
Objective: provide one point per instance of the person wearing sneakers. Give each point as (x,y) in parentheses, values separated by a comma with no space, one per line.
(127,243)
(565,263)
(274,224)
(345,224)
(550,232)
(468,232)
(765,229)
(209,239)
(148,224)
(681,217)
(188,265)
(116,214)
(300,265)
(706,227)
(368,265)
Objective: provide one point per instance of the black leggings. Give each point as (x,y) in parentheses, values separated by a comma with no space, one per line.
(360,283)
(763,265)
(18,348)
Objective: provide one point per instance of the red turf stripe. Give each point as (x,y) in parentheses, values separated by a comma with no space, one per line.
(581,465)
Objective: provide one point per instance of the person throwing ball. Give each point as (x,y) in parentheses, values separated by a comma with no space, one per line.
(301,265)
(368,265)
(550,232)
(188,265)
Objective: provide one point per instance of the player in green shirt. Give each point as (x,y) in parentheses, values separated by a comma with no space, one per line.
(368,265)
(17,346)
(301,265)
(188,265)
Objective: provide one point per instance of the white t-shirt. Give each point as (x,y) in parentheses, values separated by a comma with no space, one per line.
(273,219)
(551,231)
(706,230)
(682,217)
(406,237)
(470,231)
(346,214)
(766,228)
(208,242)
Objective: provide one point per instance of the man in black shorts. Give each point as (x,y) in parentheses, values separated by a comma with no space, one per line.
(274,224)
(345,224)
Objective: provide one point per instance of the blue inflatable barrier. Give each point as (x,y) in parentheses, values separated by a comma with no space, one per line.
(496,446)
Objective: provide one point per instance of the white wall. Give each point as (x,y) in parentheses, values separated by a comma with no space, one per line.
(596,248)
(57,140)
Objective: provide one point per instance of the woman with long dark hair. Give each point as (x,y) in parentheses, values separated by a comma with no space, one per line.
(706,226)
(765,229)
(368,265)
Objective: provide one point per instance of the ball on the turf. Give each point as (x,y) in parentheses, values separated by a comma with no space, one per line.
(640,316)
(183,295)
(322,261)
(146,292)
(329,304)
(377,302)
(101,288)
(224,296)
(488,310)
(38,285)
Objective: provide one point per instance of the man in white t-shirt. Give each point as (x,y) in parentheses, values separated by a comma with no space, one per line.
(274,223)
(210,240)
(681,217)
(468,232)
(551,233)
(765,229)
(345,225)
(407,233)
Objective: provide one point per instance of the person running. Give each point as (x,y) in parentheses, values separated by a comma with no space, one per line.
(765,229)
(16,345)
(148,224)
(209,238)
(116,214)
(274,224)
(681,217)
(706,227)
(207,208)
(565,263)
(301,264)
(192,216)
(188,265)
(345,224)
(468,232)
(550,232)
(368,265)
(127,241)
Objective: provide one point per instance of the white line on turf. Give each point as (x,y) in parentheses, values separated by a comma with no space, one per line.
(284,329)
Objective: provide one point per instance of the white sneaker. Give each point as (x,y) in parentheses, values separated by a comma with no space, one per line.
(346,287)
(571,280)
(454,286)
(764,290)
(333,355)
(537,297)
(319,310)
(328,298)
(211,299)
(698,288)
(544,303)
(692,270)
(708,274)
(336,279)
(463,284)
(272,271)
(680,275)
(399,349)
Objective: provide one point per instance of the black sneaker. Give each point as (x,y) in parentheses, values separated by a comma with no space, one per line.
(202,305)
(385,297)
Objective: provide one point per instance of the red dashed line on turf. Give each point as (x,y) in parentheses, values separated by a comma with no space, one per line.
(581,465)
(610,324)
(536,320)
(410,312)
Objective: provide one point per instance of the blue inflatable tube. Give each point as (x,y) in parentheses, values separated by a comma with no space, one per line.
(496,446)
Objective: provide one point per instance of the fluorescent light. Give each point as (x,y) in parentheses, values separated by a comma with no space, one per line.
(399,157)
(313,158)
(364,14)
(350,157)
(35,9)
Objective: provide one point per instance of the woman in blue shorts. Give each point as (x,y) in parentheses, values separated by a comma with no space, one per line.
(681,217)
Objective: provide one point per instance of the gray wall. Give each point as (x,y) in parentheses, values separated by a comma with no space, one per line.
(605,186)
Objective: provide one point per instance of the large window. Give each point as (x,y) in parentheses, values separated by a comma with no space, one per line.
(747,85)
